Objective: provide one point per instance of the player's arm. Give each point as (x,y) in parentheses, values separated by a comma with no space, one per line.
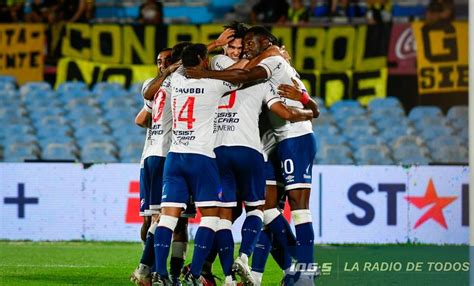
(295,93)
(155,84)
(292,114)
(234,76)
(223,39)
(268,52)
(143,118)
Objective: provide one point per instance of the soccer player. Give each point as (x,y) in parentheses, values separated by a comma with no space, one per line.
(156,116)
(191,167)
(296,145)
(240,161)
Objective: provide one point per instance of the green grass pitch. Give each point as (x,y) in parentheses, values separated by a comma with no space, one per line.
(110,263)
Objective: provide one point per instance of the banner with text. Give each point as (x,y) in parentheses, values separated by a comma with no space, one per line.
(372,204)
(442,56)
(357,55)
(21,51)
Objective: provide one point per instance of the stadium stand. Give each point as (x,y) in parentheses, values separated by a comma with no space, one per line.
(77,124)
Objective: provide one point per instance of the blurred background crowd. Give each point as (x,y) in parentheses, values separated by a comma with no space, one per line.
(252,11)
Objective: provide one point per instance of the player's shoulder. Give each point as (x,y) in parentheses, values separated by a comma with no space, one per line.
(221,62)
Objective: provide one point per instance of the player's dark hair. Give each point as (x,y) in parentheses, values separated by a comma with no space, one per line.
(192,54)
(166,50)
(239,29)
(177,51)
(262,31)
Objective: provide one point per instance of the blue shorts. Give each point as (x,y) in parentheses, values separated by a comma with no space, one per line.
(191,174)
(242,175)
(151,183)
(296,157)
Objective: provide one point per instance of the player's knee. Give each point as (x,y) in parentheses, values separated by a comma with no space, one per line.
(223,224)
(256,212)
(210,222)
(168,222)
(301,216)
(270,215)
(152,228)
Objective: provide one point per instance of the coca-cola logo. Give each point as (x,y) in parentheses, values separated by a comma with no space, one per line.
(405,46)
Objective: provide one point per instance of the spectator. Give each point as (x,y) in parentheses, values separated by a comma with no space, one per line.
(378,11)
(269,11)
(338,8)
(11,11)
(72,11)
(151,12)
(440,10)
(298,12)
(40,11)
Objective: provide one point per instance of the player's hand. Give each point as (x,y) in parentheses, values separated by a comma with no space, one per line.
(225,37)
(195,72)
(172,68)
(290,91)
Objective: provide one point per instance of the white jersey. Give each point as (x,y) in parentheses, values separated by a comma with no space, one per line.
(158,137)
(237,117)
(194,106)
(279,71)
(221,62)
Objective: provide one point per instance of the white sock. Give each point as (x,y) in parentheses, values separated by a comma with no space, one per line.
(244,258)
(257,277)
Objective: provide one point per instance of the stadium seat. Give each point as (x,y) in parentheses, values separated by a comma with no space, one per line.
(136,88)
(324,130)
(433,132)
(359,141)
(7,78)
(44,142)
(387,124)
(392,114)
(36,87)
(7,86)
(357,131)
(419,112)
(373,155)
(344,112)
(324,118)
(410,151)
(450,154)
(444,141)
(105,87)
(97,156)
(22,149)
(458,111)
(19,137)
(384,103)
(459,123)
(70,86)
(59,151)
(59,130)
(407,140)
(89,130)
(356,121)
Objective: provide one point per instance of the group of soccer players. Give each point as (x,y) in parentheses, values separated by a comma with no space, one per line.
(220,135)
